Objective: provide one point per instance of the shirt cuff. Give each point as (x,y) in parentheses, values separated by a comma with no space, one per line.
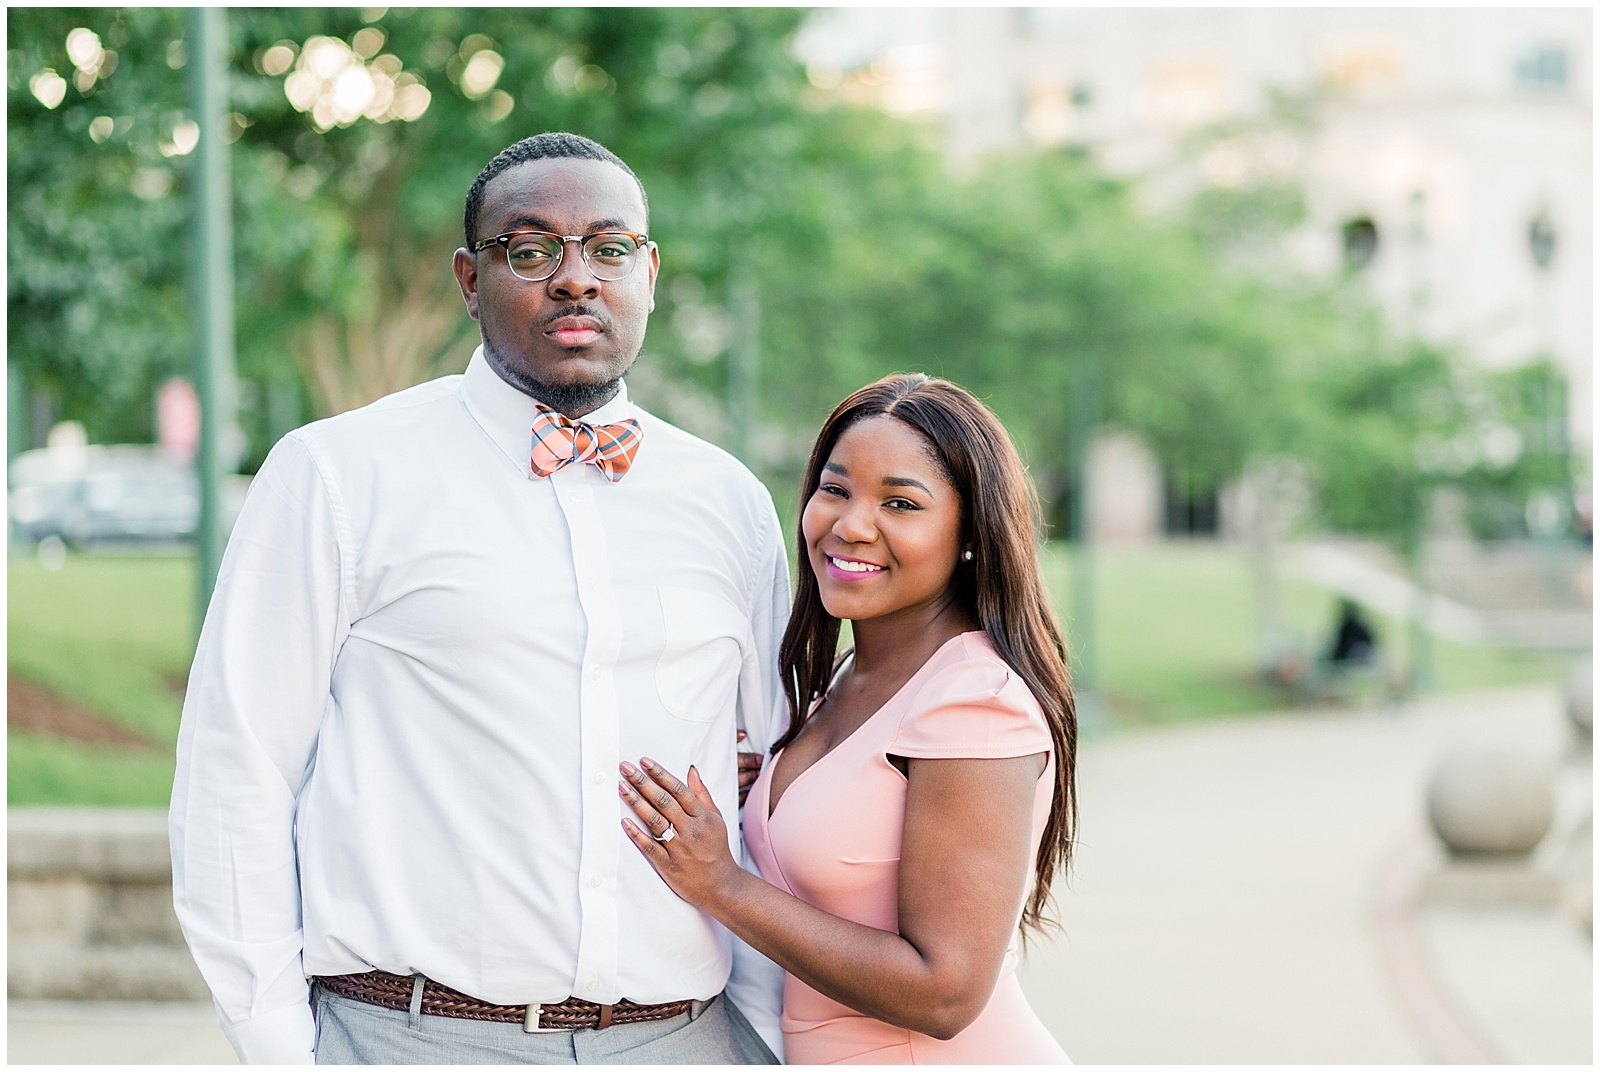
(280,1037)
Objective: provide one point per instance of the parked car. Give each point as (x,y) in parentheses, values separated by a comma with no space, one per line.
(101,494)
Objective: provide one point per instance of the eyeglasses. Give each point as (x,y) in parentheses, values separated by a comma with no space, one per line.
(536,255)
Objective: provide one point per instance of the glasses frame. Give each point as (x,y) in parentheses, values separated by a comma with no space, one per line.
(504,242)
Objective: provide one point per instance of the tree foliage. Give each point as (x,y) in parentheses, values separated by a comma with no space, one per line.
(1032,283)
(95,272)
(339,231)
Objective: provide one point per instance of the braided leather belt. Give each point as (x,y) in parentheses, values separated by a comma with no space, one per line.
(390,991)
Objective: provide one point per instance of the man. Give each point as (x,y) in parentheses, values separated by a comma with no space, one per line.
(442,623)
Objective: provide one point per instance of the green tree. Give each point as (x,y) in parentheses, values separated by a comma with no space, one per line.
(95,238)
(345,224)
(1035,283)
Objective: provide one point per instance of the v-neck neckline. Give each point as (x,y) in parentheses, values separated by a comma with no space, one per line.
(772,805)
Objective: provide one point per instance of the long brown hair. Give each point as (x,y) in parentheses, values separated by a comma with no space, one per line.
(1001,586)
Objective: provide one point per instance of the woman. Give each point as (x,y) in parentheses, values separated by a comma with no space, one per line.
(923,797)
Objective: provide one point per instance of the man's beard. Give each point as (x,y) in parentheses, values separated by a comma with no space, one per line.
(571,400)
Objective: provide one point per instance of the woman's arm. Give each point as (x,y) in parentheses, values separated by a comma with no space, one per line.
(965,863)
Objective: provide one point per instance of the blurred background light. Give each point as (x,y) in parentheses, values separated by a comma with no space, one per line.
(481,73)
(335,84)
(49,87)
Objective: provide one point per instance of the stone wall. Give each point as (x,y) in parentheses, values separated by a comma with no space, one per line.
(89,908)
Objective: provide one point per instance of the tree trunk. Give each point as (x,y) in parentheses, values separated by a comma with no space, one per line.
(408,334)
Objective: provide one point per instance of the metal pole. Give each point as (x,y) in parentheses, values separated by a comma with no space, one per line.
(1423,675)
(1084,418)
(17,432)
(212,288)
(18,438)
(1421,636)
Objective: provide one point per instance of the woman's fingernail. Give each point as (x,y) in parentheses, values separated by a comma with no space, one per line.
(630,770)
(647,764)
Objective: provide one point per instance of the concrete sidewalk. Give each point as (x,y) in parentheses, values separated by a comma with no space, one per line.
(115,1032)
(1245,891)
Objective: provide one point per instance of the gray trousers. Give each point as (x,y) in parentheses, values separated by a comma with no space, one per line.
(354,1033)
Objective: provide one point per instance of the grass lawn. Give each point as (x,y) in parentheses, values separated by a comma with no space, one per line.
(111,633)
(1177,633)
(1176,625)
(1176,642)
(46,770)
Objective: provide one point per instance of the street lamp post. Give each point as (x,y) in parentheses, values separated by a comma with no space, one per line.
(211,289)
(1423,676)
(1083,421)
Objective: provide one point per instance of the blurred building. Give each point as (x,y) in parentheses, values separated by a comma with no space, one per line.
(1447,160)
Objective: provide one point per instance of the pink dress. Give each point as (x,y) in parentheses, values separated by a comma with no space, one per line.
(834,842)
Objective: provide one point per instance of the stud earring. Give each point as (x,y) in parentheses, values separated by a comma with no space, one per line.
(966,556)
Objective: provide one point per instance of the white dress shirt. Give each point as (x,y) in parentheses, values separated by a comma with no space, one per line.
(418,674)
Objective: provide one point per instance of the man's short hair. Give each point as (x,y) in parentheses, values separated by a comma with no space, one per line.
(542,147)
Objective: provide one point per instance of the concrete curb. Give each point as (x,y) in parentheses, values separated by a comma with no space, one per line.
(1446,1031)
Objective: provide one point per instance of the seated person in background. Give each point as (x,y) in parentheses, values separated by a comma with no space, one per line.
(1353,640)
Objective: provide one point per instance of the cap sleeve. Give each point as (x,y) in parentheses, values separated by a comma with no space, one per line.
(976,709)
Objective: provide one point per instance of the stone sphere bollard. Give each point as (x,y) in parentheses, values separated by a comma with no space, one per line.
(1580,698)
(1490,801)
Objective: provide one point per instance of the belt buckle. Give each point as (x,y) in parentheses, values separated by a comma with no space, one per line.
(530,1022)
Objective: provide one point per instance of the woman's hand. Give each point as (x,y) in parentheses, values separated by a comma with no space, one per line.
(683,835)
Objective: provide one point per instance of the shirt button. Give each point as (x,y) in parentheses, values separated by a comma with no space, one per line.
(596,882)
(594,673)
(594,984)
(597,777)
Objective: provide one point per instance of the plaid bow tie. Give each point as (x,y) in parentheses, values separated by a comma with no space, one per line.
(558,442)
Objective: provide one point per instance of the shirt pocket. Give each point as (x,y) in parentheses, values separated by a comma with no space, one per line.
(697,676)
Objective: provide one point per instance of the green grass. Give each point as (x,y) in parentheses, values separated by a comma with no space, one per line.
(1176,633)
(1173,631)
(43,770)
(113,634)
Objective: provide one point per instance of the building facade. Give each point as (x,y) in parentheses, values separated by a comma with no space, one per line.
(1447,158)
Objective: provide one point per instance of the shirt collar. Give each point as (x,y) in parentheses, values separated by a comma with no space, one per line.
(506,414)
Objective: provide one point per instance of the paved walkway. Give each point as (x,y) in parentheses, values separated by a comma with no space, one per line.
(115,1032)
(1244,892)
